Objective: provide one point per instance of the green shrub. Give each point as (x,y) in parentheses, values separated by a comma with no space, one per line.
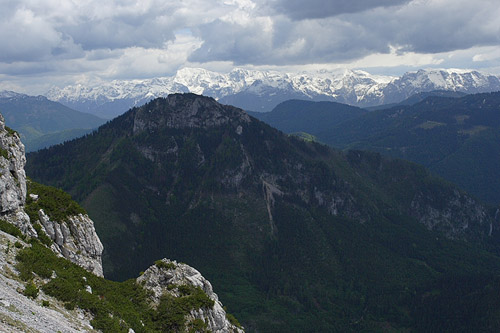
(42,236)
(163,264)
(56,203)
(232,319)
(197,325)
(45,303)
(10,131)
(18,245)
(171,312)
(11,229)
(4,153)
(185,290)
(31,290)
(69,305)
(116,306)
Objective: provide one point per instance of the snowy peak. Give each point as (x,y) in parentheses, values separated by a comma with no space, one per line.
(263,90)
(9,94)
(439,79)
(14,96)
(114,90)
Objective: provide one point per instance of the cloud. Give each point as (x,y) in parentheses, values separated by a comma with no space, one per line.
(266,41)
(313,9)
(32,30)
(442,26)
(26,37)
(137,62)
(487,54)
(128,38)
(425,27)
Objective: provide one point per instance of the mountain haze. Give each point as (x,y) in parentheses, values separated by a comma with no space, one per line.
(294,235)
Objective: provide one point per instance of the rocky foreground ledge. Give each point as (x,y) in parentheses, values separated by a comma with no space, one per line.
(168,278)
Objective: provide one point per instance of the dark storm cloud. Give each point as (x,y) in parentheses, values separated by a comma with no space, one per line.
(313,9)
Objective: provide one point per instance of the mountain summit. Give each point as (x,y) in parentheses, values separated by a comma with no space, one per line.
(186,111)
(293,235)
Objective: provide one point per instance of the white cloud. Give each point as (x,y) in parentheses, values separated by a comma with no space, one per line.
(124,39)
(26,37)
(487,54)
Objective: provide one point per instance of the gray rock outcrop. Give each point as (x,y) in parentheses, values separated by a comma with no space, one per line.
(160,278)
(458,217)
(76,240)
(13,180)
(187,111)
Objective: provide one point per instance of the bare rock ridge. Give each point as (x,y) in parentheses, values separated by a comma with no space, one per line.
(167,277)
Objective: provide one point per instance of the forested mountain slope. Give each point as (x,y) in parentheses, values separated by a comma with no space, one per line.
(457,138)
(293,235)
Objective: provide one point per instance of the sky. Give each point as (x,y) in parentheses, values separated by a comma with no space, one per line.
(56,43)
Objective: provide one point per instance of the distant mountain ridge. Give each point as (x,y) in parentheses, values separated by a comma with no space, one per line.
(41,122)
(295,116)
(263,90)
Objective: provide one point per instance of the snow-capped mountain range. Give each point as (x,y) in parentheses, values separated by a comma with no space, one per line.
(263,90)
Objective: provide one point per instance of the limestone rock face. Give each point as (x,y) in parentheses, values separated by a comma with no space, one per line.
(178,111)
(158,278)
(13,180)
(459,217)
(76,240)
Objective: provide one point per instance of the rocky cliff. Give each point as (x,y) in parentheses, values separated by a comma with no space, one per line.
(74,237)
(13,180)
(76,240)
